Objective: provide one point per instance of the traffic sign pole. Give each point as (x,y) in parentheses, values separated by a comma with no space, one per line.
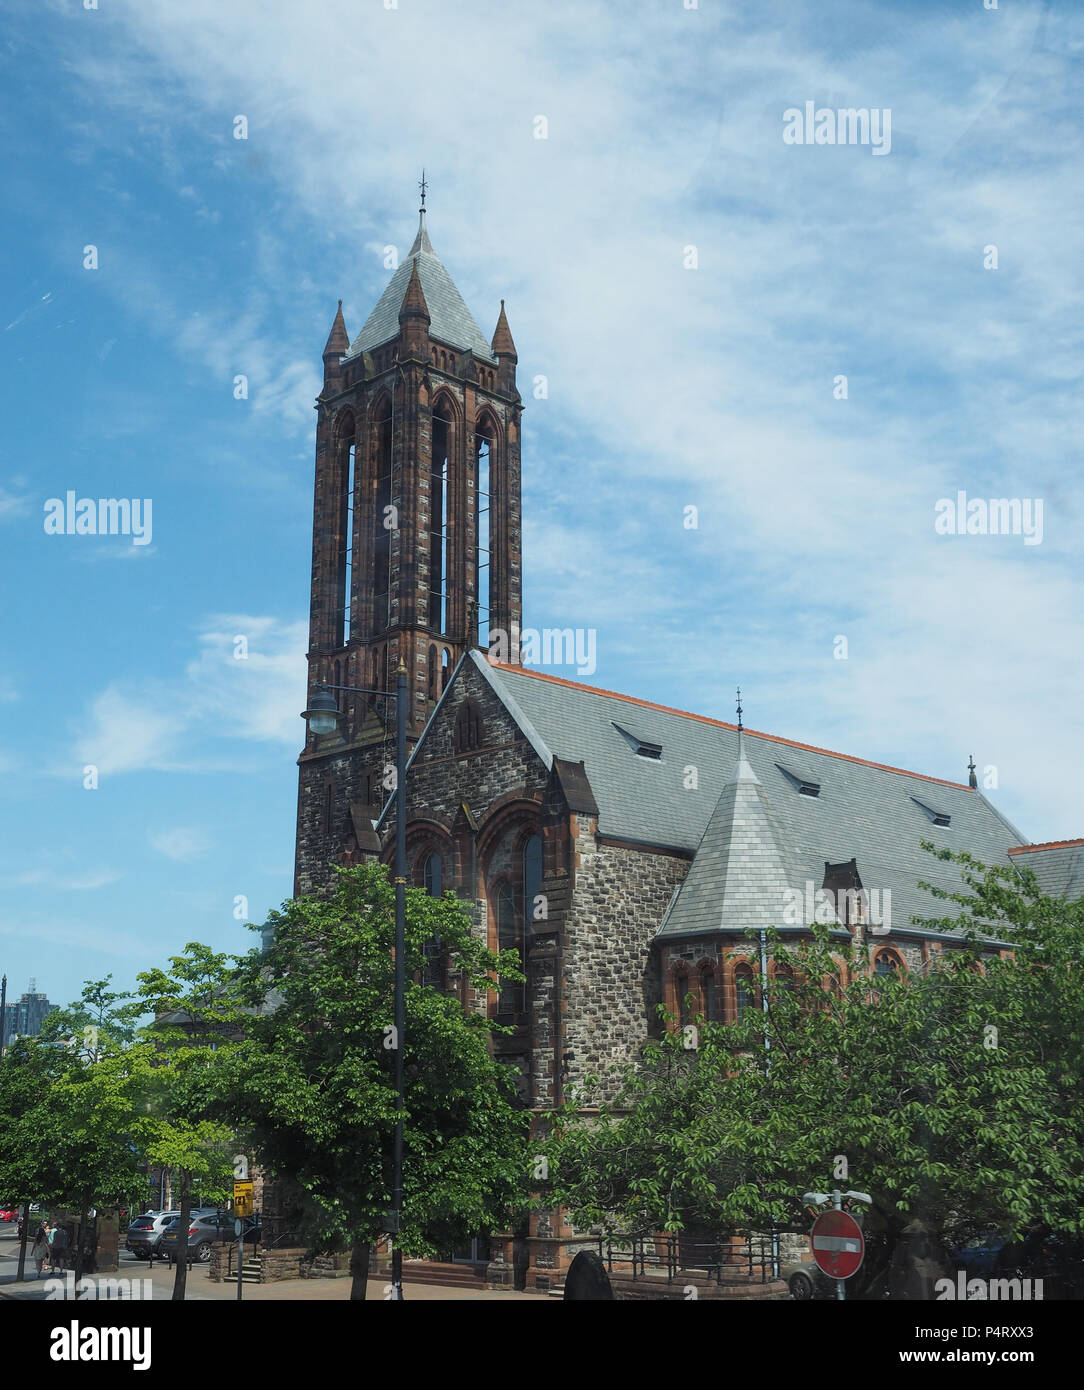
(841,1287)
(838,1244)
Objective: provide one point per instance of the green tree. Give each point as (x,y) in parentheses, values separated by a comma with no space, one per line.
(954,1096)
(99,1021)
(312,1085)
(196,1022)
(87,1112)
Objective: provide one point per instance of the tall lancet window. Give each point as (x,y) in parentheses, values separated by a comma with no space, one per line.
(346,564)
(381,548)
(438,523)
(485,450)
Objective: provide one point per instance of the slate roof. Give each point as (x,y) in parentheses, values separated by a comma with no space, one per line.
(451,321)
(738,879)
(863,809)
(1059,867)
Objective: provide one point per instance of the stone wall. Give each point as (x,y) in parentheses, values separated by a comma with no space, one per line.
(275,1265)
(611,984)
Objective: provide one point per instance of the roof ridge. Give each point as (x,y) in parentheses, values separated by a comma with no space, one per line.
(1046,844)
(724,724)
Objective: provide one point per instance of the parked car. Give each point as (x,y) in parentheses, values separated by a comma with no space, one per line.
(980,1255)
(9,1213)
(805,1281)
(223,1223)
(145,1233)
(207,1227)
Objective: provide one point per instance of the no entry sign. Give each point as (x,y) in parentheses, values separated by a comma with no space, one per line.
(838,1246)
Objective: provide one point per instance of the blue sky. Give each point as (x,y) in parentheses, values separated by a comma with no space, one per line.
(668,387)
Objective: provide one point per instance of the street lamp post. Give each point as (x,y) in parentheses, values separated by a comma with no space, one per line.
(323,717)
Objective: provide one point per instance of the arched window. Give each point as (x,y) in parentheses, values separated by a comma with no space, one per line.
(484,451)
(532,876)
(342,508)
(445,669)
(346,568)
(438,518)
(381,539)
(433,875)
(707,994)
(744,998)
(510,995)
(468,728)
(887,965)
(429,874)
(432,673)
(681,998)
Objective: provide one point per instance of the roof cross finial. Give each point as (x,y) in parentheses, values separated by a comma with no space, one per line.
(423,185)
(972,780)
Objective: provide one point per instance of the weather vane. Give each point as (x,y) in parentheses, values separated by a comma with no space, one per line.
(739,710)
(423,187)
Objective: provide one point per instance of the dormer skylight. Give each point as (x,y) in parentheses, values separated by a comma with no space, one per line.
(938,817)
(802,785)
(640,746)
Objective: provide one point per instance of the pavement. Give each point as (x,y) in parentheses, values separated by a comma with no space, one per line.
(199,1287)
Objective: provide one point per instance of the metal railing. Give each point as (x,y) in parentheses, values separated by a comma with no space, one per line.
(742,1260)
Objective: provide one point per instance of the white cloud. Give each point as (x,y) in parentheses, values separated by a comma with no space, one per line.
(181,843)
(198,720)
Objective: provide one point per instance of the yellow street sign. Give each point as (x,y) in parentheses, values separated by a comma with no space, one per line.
(242,1198)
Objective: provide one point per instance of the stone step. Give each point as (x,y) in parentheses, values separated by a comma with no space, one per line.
(452,1275)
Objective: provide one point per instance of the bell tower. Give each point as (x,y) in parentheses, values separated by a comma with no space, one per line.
(416,533)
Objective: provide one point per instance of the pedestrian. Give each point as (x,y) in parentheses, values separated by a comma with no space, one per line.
(58,1247)
(40,1251)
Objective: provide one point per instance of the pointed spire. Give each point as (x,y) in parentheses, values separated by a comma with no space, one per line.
(338,340)
(414,305)
(421,241)
(503,346)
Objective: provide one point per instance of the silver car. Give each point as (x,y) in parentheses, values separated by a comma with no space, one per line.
(146,1231)
(208,1226)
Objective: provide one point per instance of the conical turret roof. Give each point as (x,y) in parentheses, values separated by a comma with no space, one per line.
(450,322)
(502,337)
(738,878)
(414,299)
(338,340)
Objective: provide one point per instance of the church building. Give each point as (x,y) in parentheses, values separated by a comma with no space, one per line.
(624,848)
